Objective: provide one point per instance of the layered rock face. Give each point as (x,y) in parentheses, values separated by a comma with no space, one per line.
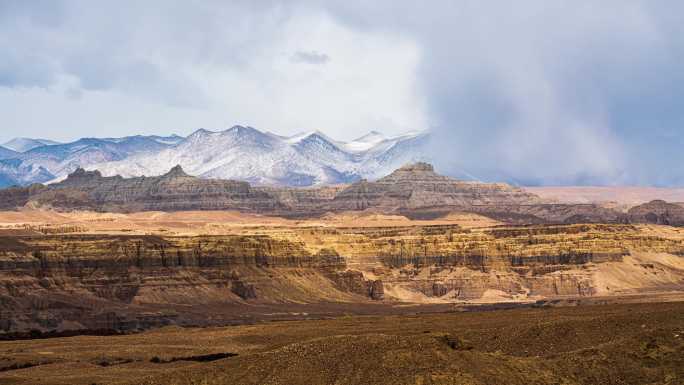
(418,185)
(96,282)
(414,190)
(658,212)
(172,191)
(412,186)
(445,263)
(123,282)
(15,197)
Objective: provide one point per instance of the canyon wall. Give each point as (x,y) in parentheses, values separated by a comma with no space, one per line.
(127,282)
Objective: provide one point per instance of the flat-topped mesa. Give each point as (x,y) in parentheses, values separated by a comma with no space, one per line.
(419,166)
(418,185)
(415,172)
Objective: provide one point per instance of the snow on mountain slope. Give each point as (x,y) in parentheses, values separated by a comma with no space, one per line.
(6,153)
(61,159)
(14,172)
(365,142)
(390,154)
(246,153)
(317,147)
(237,153)
(168,140)
(242,153)
(26,144)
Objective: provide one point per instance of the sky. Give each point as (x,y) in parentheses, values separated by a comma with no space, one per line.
(536,92)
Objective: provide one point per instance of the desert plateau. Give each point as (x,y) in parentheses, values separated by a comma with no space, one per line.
(413,272)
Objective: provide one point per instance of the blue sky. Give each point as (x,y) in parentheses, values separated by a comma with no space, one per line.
(543,92)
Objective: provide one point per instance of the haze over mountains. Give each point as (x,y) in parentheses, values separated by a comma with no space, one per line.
(242,153)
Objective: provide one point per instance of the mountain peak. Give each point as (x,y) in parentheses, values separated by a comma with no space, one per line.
(242,129)
(200,132)
(176,172)
(309,136)
(23,144)
(319,134)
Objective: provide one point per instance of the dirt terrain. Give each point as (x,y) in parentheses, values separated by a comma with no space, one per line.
(620,196)
(594,344)
(213,222)
(85,272)
(361,296)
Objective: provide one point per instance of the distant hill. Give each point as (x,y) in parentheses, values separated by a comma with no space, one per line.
(25,144)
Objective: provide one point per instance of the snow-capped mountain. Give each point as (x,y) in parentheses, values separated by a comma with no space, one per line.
(25,144)
(392,153)
(14,172)
(62,159)
(242,153)
(246,153)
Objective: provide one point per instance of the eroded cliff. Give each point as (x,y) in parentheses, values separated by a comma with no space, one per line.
(127,282)
(412,190)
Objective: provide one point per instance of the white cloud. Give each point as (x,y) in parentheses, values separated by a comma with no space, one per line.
(151,68)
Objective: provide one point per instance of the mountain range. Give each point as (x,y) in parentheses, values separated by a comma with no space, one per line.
(240,153)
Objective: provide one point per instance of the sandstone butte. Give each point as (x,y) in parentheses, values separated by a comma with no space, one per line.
(414,190)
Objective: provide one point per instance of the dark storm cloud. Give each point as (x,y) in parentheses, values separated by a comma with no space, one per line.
(548,91)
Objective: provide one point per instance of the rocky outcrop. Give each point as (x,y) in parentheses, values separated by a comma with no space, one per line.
(354,281)
(658,212)
(416,191)
(515,263)
(418,185)
(412,186)
(15,197)
(172,191)
(54,282)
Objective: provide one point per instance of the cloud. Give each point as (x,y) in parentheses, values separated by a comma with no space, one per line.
(538,92)
(180,66)
(310,57)
(547,92)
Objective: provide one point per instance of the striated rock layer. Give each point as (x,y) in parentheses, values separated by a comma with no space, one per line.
(172,191)
(658,212)
(124,282)
(418,185)
(415,191)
